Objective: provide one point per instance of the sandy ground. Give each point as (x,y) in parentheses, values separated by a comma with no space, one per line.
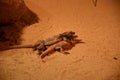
(97,59)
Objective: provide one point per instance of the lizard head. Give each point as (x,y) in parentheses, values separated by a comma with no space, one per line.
(68,34)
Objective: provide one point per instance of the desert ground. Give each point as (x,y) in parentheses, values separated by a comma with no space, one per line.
(97,59)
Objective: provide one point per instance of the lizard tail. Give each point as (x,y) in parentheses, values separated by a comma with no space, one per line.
(21,46)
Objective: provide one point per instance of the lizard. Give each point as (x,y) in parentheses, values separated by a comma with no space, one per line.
(40,45)
(61,47)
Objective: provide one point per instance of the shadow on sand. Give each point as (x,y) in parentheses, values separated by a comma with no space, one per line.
(10,34)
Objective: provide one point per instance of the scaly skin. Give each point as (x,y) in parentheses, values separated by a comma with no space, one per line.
(61,47)
(63,36)
(27,46)
(41,44)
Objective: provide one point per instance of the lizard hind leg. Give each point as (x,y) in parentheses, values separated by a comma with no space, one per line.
(61,50)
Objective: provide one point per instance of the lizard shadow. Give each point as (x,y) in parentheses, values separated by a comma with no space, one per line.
(10,34)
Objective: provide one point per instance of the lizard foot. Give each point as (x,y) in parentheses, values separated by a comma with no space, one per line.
(66,53)
(34,49)
(39,52)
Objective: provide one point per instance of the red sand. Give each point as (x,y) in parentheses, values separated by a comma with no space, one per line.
(97,59)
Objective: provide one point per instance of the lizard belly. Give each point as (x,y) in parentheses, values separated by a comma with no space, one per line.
(65,45)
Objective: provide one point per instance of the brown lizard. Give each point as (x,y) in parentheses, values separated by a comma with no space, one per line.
(40,45)
(61,47)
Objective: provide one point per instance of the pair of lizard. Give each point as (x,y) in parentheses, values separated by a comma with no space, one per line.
(61,47)
(54,43)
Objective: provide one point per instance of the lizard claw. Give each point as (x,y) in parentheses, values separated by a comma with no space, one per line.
(66,53)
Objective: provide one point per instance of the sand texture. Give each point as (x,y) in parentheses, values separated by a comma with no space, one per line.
(98,26)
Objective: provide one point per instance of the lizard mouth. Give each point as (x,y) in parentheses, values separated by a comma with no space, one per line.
(74,36)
